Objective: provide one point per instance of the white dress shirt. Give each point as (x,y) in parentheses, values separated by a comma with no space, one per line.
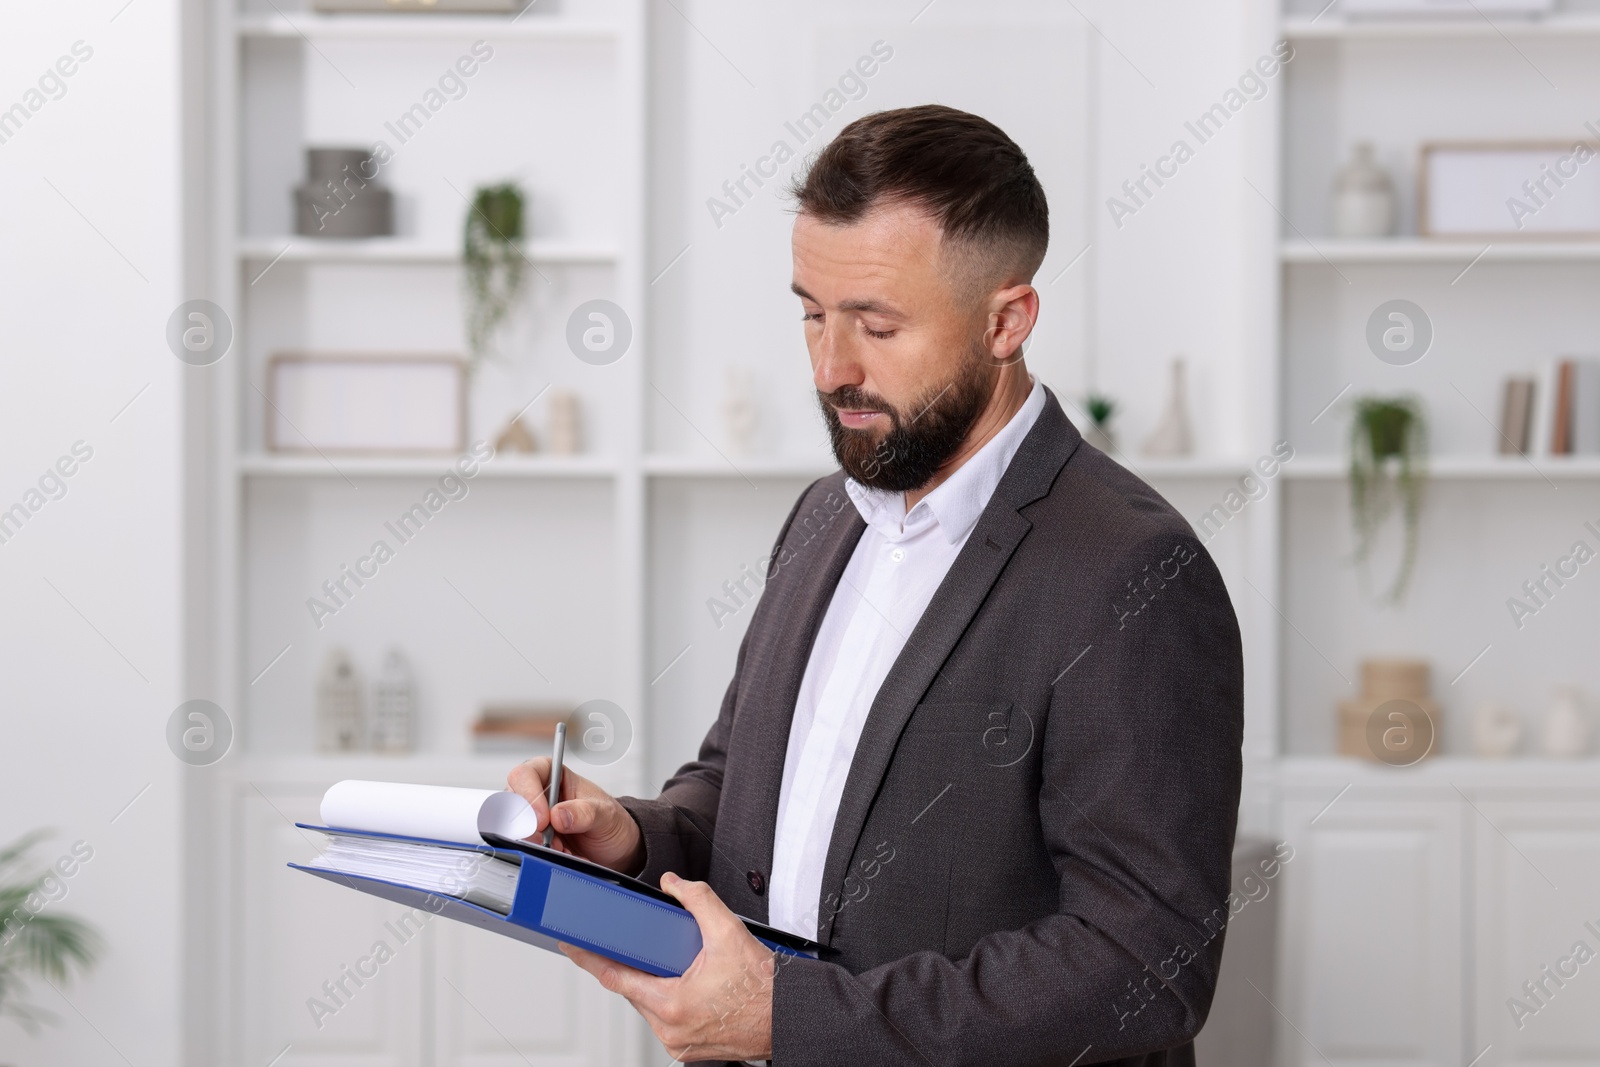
(898,564)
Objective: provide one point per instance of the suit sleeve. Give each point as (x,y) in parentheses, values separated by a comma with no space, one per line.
(1138,797)
(678,826)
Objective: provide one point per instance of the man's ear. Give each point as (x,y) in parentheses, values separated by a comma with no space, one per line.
(1012,313)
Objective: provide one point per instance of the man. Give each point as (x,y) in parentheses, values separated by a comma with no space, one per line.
(983,736)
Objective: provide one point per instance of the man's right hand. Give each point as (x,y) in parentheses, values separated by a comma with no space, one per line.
(588,821)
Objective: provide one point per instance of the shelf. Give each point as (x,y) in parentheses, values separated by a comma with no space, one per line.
(272,466)
(738,466)
(297,249)
(1437,250)
(1488,468)
(1191,468)
(766,466)
(476,769)
(430,27)
(1466,27)
(1329,774)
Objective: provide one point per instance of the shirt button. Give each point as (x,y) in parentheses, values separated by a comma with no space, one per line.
(898,554)
(758,884)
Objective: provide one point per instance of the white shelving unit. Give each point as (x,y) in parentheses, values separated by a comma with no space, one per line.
(502,595)
(1498,308)
(1418,895)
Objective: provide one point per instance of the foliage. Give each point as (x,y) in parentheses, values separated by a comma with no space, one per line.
(1100,408)
(1388,452)
(495,262)
(35,942)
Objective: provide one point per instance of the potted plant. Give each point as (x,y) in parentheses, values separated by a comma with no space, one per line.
(1388,452)
(1101,408)
(494,263)
(35,941)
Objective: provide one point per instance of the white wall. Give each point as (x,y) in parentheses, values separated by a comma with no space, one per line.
(89,638)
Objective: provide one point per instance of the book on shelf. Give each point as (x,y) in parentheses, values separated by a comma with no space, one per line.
(1559,410)
(465,854)
(1516,416)
(1585,416)
(1575,407)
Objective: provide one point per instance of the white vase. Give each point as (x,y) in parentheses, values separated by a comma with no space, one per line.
(1172,437)
(1363,197)
(1565,731)
(1496,731)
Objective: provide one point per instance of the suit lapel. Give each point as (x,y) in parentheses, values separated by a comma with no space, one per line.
(989,548)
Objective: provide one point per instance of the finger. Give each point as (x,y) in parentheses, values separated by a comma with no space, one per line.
(642,990)
(714,917)
(579,816)
(527,780)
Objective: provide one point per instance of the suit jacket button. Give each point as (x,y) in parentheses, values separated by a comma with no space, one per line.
(758,884)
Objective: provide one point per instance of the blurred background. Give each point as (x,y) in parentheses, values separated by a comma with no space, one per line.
(388,380)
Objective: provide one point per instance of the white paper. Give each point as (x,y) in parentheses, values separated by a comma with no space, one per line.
(443,813)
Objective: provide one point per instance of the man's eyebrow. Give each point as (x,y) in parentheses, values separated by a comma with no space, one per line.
(872,307)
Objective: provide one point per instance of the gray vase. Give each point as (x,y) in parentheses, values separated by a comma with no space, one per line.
(341,196)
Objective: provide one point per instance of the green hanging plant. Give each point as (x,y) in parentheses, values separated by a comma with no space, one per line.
(34,940)
(494,263)
(1388,454)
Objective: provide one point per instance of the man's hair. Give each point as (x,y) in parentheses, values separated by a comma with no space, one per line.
(962,170)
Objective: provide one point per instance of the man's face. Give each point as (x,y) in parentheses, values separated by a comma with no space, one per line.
(895,343)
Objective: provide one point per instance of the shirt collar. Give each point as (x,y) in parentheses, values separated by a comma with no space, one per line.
(960,499)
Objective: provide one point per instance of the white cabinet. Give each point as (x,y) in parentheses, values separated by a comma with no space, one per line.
(327,977)
(1538,881)
(1373,910)
(501,1003)
(302,944)
(1421,904)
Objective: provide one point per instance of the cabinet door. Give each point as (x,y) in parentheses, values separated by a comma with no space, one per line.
(1538,871)
(1373,912)
(502,1003)
(295,932)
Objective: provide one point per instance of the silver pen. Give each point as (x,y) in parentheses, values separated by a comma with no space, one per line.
(554,796)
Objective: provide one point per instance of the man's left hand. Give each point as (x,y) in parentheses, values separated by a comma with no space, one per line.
(721,1008)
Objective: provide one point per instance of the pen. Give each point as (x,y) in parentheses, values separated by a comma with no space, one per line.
(555,781)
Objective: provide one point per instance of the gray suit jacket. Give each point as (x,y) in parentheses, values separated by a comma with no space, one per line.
(1030,862)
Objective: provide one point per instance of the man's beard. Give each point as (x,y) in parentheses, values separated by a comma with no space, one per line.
(919,441)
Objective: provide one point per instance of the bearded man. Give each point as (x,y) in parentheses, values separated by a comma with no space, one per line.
(983,738)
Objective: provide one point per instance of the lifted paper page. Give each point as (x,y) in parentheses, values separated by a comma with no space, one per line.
(441,813)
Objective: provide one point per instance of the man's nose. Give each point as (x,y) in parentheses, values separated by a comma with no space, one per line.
(835,363)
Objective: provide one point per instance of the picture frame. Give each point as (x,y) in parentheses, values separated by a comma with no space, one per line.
(444,7)
(365,404)
(1504,190)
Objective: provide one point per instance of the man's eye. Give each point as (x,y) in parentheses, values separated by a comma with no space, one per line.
(882,335)
(811,316)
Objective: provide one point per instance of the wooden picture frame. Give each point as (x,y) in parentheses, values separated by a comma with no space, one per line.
(1465,189)
(365,404)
